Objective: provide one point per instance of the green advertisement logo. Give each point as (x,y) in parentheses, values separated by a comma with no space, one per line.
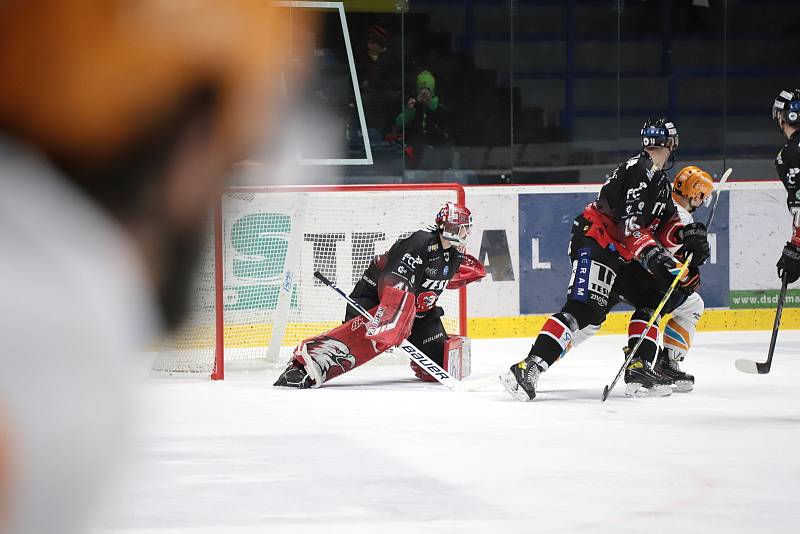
(259,243)
(765,298)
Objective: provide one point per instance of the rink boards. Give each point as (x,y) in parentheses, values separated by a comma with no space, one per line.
(521,235)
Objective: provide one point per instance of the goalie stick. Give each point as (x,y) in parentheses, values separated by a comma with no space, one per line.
(412,352)
(684,268)
(761,368)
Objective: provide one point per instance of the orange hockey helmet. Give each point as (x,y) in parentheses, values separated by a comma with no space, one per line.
(695,184)
(83,79)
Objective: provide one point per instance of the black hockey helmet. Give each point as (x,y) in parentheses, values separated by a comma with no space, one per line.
(787,107)
(659,132)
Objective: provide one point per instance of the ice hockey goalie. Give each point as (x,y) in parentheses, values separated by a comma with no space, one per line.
(400,288)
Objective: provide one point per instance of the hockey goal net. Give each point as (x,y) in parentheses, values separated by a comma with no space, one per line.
(255,295)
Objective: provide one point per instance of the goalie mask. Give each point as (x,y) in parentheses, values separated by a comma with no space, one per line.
(694,184)
(661,132)
(786,108)
(454,222)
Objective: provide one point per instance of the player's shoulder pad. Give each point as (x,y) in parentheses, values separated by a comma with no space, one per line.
(421,242)
(424,237)
(791,150)
(639,167)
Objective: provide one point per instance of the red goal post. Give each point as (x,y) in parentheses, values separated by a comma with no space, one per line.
(255,296)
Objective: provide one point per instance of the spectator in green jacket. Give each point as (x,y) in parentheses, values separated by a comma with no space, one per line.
(421,122)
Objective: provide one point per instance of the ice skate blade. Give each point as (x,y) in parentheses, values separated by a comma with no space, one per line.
(635,389)
(509,382)
(683,386)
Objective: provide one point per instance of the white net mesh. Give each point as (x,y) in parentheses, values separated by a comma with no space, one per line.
(269,232)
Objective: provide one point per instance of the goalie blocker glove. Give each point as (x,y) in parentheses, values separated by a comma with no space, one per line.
(789,264)
(392,321)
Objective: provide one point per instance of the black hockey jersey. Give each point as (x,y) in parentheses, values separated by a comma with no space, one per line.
(632,206)
(417,264)
(787,163)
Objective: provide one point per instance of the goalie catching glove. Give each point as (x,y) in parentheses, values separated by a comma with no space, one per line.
(470,270)
(392,321)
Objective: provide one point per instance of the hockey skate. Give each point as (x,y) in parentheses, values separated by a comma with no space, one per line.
(668,365)
(295,376)
(302,372)
(642,381)
(521,378)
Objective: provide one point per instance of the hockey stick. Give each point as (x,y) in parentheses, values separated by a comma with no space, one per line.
(749,366)
(684,268)
(412,352)
(716,200)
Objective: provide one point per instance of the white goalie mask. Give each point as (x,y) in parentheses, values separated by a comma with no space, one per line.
(454,222)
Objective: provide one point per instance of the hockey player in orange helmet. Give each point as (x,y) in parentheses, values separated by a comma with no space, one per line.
(692,187)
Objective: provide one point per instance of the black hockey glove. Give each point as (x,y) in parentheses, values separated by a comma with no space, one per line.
(661,264)
(789,263)
(695,241)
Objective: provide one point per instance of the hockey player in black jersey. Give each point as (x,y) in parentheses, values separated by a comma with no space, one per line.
(786,112)
(623,225)
(401,287)
(692,188)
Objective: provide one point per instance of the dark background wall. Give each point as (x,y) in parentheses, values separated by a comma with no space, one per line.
(541,91)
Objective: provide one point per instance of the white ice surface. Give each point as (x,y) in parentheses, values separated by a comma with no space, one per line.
(377,451)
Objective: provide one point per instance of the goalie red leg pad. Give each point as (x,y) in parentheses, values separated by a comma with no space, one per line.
(457,357)
(339,350)
(457,360)
(392,322)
